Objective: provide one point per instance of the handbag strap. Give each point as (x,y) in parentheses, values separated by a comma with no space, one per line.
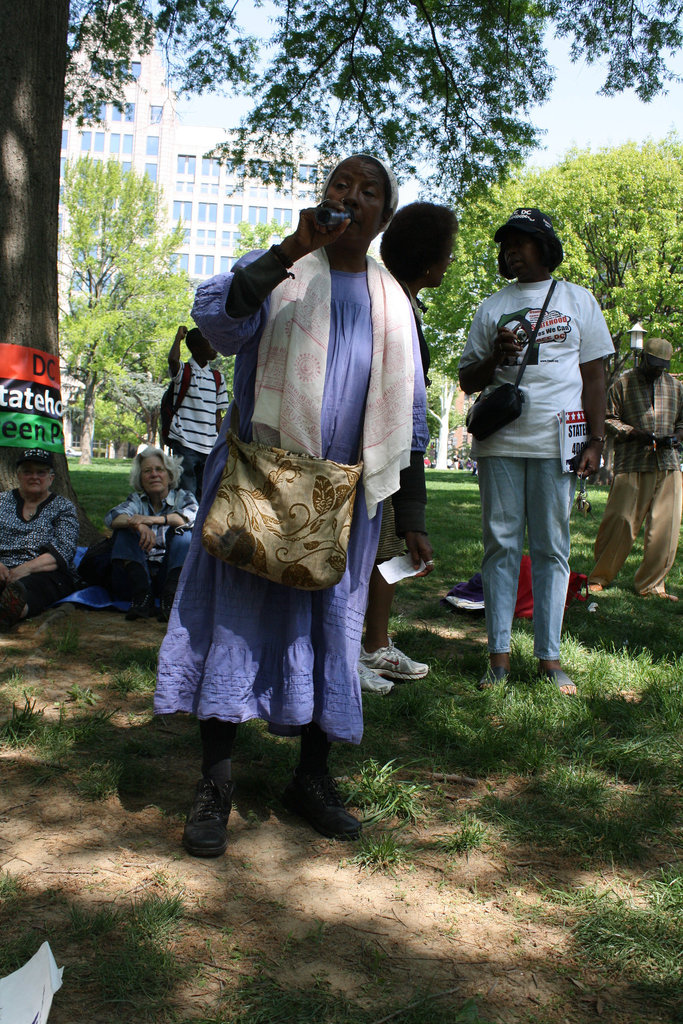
(534,333)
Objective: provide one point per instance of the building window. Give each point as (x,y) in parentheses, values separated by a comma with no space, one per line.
(258,192)
(208,213)
(114,143)
(116,114)
(155,114)
(103,112)
(282,216)
(232,214)
(126,166)
(151,171)
(210,167)
(65,138)
(209,188)
(127,143)
(86,142)
(181,261)
(187,164)
(225,264)
(205,237)
(99,142)
(136,68)
(258,214)
(308,172)
(152,145)
(186,236)
(203,265)
(182,211)
(129,113)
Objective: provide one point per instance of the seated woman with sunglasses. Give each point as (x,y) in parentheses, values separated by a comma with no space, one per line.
(38,538)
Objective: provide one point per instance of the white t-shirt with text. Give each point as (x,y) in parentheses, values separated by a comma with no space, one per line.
(573,331)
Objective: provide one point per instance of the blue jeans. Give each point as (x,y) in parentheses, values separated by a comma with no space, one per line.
(127,549)
(192,474)
(534,494)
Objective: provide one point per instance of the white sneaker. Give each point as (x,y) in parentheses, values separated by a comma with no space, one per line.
(370,682)
(392,663)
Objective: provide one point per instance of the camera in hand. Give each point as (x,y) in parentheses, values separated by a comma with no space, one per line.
(669,441)
(331,218)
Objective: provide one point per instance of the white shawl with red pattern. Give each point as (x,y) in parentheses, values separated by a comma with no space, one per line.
(290,374)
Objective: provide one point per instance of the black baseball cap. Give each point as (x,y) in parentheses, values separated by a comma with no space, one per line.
(533,221)
(36,455)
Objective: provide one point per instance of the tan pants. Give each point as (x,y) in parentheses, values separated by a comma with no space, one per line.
(634,497)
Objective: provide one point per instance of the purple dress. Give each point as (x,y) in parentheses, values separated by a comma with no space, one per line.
(238,646)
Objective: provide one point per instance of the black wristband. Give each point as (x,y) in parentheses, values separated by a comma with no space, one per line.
(280,256)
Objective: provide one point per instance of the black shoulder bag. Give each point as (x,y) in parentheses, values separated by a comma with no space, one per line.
(504,405)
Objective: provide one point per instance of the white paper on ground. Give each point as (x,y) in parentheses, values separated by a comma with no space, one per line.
(26,995)
(399,568)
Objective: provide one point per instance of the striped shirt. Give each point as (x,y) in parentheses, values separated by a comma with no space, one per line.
(194,424)
(654,406)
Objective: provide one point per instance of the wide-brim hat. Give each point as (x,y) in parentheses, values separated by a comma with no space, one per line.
(36,455)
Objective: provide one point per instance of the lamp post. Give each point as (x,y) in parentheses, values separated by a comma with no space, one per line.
(637,333)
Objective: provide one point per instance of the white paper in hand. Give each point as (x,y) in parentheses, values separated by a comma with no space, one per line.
(399,568)
(26,995)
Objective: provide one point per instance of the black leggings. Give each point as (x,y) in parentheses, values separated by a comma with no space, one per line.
(44,588)
(218,739)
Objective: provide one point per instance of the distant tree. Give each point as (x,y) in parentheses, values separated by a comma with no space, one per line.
(129,410)
(122,290)
(444,88)
(259,236)
(619,214)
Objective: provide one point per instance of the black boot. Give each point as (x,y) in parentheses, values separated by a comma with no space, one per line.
(316,798)
(142,604)
(168,594)
(205,833)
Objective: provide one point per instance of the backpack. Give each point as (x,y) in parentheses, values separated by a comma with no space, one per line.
(169,408)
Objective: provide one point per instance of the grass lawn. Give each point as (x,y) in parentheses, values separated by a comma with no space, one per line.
(100,486)
(522,859)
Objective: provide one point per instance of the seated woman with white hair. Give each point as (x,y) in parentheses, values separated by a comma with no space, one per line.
(152,532)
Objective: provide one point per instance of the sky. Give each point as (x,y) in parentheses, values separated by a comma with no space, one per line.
(575,115)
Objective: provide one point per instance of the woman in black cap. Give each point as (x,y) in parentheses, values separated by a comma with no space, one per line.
(38,537)
(523,481)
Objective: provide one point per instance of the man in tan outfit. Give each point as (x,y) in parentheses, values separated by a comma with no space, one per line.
(645,418)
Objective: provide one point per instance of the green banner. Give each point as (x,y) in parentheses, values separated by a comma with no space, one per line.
(23,430)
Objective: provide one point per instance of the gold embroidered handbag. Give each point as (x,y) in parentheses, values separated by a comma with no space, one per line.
(282,515)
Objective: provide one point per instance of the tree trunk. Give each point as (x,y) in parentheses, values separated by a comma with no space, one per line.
(88,420)
(32,70)
(446,401)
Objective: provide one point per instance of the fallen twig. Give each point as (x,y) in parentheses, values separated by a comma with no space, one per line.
(418,1002)
(465,780)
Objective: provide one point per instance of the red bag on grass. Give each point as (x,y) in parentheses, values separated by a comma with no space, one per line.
(524,609)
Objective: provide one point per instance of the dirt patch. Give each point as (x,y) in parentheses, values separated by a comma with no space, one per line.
(283,904)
